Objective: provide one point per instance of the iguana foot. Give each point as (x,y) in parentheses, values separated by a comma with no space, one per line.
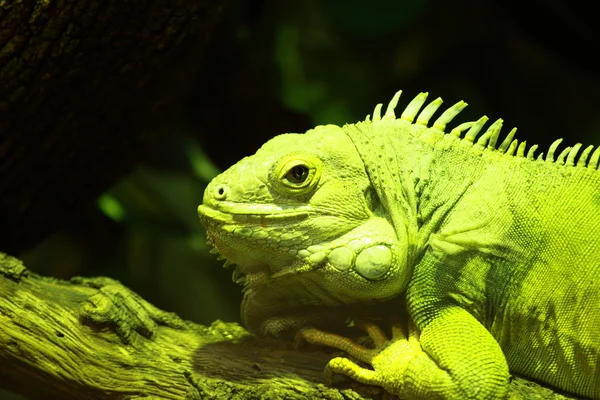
(389,358)
(116,307)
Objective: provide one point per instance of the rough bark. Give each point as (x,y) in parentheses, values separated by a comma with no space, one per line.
(85,87)
(95,339)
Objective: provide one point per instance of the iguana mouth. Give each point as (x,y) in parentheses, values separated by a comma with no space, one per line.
(230,212)
(228,219)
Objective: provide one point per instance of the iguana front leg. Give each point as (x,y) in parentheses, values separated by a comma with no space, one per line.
(404,368)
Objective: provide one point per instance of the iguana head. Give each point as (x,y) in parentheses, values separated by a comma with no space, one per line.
(304,226)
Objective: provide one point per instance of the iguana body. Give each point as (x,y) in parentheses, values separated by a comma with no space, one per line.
(496,253)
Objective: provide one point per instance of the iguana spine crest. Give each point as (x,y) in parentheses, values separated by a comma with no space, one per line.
(509,146)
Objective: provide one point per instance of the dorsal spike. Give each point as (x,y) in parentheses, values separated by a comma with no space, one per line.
(563,155)
(582,162)
(483,139)
(377,112)
(474,130)
(552,149)
(389,112)
(593,164)
(448,115)
(410,112)
(507,141)
(512,147)
(572,154)
(428,111)
(490,136)
(461,128)
(531,152)
(521,149)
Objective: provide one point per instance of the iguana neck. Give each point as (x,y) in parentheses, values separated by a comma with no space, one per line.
(442,179)
(411,175)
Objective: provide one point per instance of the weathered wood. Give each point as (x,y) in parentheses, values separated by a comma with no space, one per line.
(86,87)
(95,339)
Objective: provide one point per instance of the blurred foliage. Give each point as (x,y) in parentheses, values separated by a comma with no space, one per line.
(322,73)
(331,62)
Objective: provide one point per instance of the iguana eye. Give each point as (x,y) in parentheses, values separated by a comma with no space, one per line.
(297,174)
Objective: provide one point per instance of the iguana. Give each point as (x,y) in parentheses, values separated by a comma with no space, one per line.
(494,251)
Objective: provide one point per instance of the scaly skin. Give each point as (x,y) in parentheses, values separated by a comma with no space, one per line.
(495,253)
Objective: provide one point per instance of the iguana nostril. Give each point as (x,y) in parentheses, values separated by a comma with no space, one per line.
(220,192)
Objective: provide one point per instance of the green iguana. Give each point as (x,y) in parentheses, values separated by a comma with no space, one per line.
(495,252)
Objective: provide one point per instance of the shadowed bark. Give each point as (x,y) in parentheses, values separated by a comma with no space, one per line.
(85,87)
(93,338)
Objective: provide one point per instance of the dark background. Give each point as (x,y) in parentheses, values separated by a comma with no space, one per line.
(285,66)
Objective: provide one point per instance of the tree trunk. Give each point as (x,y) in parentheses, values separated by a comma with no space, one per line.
(85,87)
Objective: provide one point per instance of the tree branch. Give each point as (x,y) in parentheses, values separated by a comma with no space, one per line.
(93,338)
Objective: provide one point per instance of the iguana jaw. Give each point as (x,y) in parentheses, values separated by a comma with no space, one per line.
(246,235)
(363,264)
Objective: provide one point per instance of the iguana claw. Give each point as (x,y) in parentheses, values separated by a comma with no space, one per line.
(394,354)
